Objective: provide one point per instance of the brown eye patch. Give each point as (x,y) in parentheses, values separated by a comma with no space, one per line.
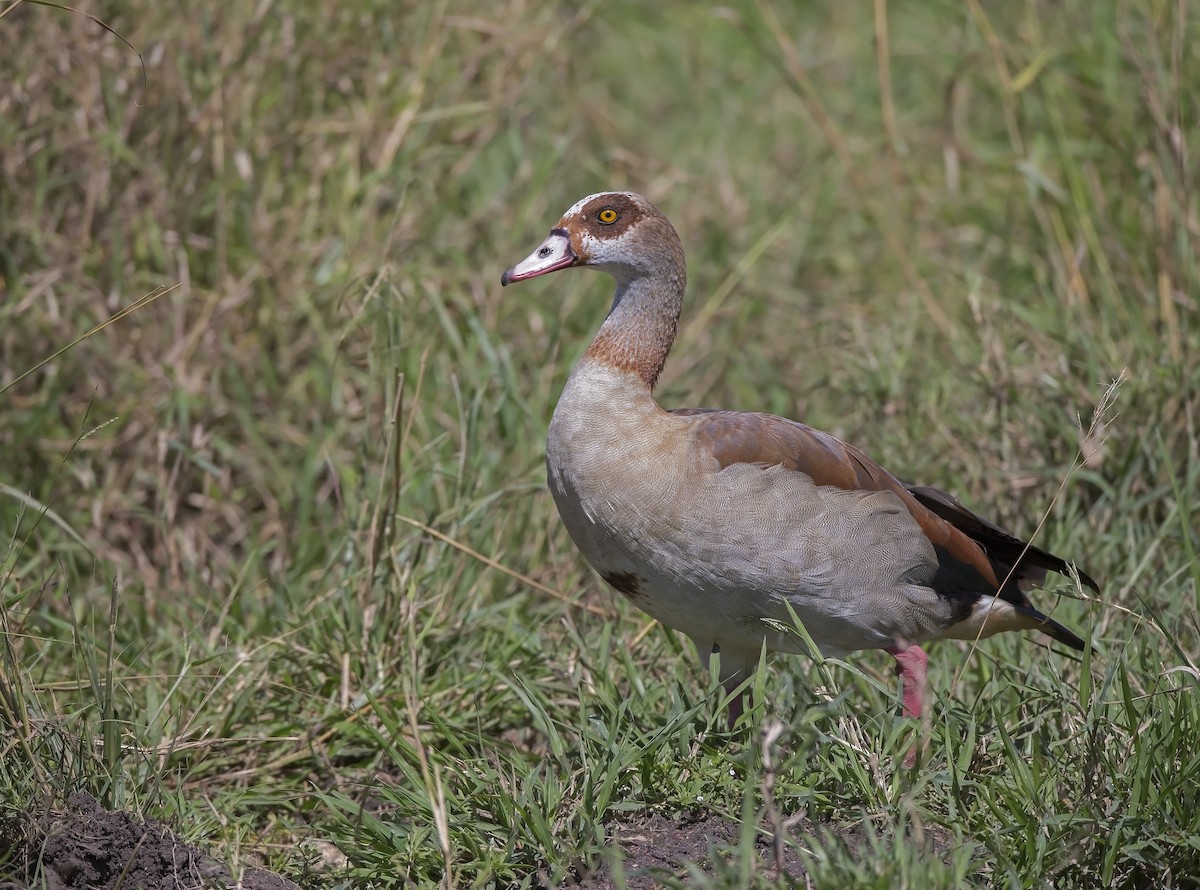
(613,213)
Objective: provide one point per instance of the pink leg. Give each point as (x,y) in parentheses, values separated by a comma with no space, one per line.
(736,666)
(735,704)
(911,669)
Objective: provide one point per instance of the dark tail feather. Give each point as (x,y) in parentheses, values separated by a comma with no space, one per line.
(999,544)
(1052,628)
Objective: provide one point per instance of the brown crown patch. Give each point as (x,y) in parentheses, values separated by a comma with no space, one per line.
(629,212)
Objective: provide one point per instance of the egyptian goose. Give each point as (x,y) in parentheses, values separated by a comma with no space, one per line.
(712,521)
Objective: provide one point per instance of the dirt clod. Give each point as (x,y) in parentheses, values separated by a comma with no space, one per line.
(655,846)
(91,848)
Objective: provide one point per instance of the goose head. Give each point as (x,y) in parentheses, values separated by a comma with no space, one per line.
(620,233)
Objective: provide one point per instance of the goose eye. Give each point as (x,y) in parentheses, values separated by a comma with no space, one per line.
(607,216)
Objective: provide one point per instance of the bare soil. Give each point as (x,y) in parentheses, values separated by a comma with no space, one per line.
(654,846)
(91,848)
(98,849)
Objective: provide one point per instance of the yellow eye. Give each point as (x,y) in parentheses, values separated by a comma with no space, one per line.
(606,217)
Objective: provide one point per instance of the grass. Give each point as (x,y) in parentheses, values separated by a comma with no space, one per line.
(276,556)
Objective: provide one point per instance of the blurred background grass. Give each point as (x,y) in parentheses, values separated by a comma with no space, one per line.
(262,538)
